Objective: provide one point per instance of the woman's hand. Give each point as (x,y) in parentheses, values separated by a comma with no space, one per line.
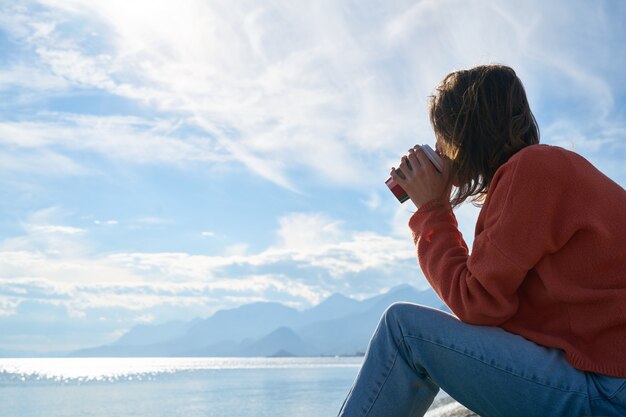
(422,182)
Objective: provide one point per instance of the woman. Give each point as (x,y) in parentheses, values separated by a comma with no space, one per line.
(540,303)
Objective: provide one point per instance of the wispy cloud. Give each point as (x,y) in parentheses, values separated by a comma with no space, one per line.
(152,220)
(283,89)
(55,229)
(120,137)
(106,222)
(142,280)
(272,115)
(339,257)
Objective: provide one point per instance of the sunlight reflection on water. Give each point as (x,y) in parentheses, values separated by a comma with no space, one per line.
(118,369)
(178,387)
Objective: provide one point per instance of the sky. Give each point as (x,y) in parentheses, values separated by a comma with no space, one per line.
(162,160)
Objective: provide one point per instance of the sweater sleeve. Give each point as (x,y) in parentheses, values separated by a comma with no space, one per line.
(516,227)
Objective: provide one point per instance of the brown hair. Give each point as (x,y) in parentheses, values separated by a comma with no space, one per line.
(481,117)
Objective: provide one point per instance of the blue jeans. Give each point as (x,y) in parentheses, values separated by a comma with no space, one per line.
(416,350)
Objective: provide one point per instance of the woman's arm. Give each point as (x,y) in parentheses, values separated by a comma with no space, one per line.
(523,219)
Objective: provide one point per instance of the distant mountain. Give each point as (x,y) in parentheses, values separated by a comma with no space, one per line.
(248,321)
(335,306)
(115,351)
(408,293)
(281,342)
(217,335)
(145,334)
(337,326)
(350,334)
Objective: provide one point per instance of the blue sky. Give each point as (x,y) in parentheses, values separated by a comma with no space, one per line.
(162,160)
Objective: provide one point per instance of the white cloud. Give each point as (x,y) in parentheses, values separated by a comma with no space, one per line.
(45,232)
(51,228)
(80,69)
(39,162)
(28,78)
(152,220)
(567,134)
(311,88)
(8,306)
(78,298)
(305,231)
(237,250)
(273,115)
(106,222)
(373,201)
(41,269)
(122,137)
(304,241)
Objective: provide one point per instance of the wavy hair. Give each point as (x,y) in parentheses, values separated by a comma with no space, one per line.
(481,117)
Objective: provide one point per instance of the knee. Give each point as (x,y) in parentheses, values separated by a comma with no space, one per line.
(398,313)
(399,308)
(402,316)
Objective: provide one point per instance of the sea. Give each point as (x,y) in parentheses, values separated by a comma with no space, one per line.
(176,387)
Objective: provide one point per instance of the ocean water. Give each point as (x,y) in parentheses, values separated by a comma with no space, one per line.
(175,387)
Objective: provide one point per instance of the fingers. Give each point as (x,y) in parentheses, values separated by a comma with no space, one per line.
(394,174)
(418,158)
(424,161)
(406,167)
(414,162)
(413,159)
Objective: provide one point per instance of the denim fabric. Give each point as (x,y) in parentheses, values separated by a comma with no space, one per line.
(416,350)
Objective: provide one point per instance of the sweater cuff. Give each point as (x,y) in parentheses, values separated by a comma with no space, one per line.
(425,212)
(419,216)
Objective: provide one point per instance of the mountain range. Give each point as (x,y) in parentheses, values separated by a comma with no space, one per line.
(337,326)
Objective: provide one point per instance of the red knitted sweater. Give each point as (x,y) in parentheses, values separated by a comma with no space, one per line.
(548,260)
